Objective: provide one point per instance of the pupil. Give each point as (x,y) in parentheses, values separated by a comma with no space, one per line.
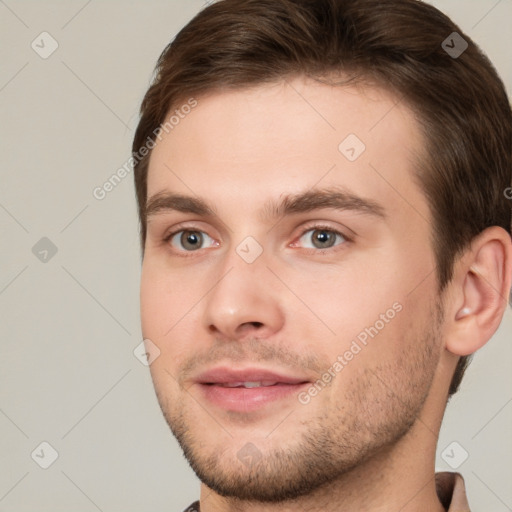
(191,239)
(323,237)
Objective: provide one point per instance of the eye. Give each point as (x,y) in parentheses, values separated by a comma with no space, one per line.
(317,237)
(188,240)
(321,237)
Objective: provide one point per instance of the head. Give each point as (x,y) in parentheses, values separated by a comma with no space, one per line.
(269,113)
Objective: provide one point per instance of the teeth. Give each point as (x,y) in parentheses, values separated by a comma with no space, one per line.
(249,385)
(252,384)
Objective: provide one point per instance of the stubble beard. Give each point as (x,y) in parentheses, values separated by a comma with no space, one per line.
(375,411)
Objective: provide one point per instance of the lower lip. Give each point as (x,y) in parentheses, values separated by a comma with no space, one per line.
(249,399)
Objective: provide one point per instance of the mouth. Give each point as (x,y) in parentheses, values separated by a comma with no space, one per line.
(247,385)
(248,390)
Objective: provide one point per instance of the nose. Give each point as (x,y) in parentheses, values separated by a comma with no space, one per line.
(245,302)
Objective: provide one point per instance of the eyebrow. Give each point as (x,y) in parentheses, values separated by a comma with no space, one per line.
(333,197)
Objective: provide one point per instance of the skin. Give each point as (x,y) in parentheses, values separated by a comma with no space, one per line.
(366,441)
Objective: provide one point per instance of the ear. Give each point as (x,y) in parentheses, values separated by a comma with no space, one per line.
(480,292)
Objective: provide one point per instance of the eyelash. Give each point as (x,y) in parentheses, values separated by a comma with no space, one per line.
(315,227)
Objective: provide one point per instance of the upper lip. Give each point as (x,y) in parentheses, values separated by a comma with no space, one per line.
(225,375)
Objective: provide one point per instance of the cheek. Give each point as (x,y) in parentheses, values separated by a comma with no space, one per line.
(167,307)
(346,299)
(155,303)
(365,310)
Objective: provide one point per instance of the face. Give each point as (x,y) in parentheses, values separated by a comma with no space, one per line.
(288,284)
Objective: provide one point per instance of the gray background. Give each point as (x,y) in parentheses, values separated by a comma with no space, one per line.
(70,323)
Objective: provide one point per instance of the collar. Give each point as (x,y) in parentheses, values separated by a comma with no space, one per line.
(452,492)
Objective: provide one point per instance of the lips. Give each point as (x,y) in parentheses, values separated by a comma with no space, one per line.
(237,377)
(246,390)
(248,384)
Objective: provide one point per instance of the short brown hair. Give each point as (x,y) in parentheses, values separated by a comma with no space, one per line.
(459,101)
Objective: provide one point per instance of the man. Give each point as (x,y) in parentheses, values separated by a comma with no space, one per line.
(326,241)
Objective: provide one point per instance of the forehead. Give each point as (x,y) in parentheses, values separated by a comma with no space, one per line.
(245,147)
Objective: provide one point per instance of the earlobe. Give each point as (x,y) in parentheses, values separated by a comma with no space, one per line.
(482,285)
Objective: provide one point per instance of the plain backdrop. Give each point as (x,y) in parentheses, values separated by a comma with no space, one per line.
(70,267)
